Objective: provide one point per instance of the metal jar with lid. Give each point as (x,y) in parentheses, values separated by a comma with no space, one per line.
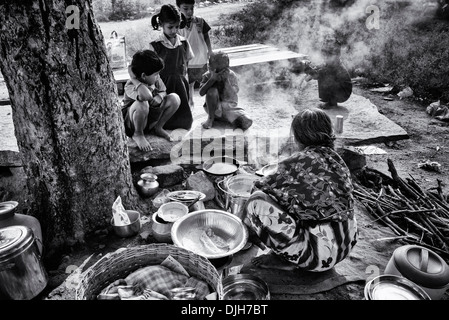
(10,217)
(22,274)
(421,266)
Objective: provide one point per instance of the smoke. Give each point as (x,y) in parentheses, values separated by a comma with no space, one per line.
(363,28)
(360,27)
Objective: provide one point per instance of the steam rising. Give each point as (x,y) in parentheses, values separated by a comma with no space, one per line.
(304,28)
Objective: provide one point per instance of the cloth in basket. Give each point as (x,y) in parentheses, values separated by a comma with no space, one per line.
(156,282)
(114,267)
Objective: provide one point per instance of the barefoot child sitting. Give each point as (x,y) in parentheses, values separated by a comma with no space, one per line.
(220,86)
(146,106)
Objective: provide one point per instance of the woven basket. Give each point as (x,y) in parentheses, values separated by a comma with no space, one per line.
(119,264)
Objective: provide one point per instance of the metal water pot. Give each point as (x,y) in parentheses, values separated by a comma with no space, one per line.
(22,274)
(148,184)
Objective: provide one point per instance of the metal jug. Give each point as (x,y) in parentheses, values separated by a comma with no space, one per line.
(147,184)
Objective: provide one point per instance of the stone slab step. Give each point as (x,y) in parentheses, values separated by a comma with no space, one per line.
(272,110)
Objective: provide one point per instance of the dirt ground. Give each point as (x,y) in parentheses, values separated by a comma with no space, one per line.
(428,140)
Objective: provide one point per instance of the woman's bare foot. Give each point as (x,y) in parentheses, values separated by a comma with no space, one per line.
(162,133)
(142,143)
(272,261)
(208,124)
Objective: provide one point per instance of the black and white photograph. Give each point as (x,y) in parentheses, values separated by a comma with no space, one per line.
(239,155)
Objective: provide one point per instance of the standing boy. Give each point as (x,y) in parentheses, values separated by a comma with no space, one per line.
(146,105)
(196,32)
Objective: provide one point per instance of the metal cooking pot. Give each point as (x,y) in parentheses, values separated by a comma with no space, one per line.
(245,287)
(235,191)
(22,274)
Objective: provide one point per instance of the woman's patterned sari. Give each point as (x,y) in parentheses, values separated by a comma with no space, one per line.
(305,211)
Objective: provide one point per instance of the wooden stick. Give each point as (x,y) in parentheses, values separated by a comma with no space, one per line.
(394,238)
(435,231)
(374,214)
(398,179)
(440,191)
(395,212)
(440,204)
(414,184)
(417,225)
(390,222)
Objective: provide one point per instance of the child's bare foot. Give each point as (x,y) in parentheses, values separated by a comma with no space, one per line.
(272,261)
(142,143)
(162,133)
(208,124)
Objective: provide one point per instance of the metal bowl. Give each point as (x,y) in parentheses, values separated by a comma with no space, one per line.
(161,229)
(240,185)
(191,198)
(172,211)
(393,287)
(267,170)
(131,229)
(187,231)
(245,287)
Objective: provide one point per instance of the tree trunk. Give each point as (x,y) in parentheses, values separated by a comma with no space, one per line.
(67,117)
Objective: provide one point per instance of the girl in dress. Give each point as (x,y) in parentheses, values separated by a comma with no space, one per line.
(176,52)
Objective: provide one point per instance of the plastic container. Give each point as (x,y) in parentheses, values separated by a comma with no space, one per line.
(421,266)
(22,274)
(10,217)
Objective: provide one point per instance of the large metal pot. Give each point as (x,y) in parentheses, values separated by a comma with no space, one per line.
(22,274)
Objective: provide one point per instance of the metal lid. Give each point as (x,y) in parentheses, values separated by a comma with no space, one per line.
(7,209)
(422,266)
(392,287)
(14,240)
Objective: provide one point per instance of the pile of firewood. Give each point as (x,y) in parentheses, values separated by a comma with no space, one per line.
(415,215)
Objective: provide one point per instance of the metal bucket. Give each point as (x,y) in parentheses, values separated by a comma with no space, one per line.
(22,274)
(235,191)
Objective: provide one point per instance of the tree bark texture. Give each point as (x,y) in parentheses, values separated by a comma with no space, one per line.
(66,116)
